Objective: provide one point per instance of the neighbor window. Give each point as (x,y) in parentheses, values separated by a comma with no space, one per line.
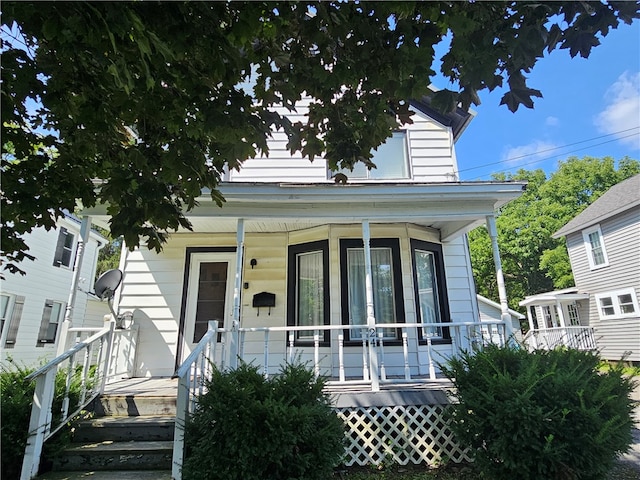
(386,284)
(391,160)
(430,290)
(620,303)
(594,244)
(11,310)
(64,249)
(52,315)
(574,316)
(308,294)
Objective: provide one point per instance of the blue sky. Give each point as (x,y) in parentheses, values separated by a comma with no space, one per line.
(590,101)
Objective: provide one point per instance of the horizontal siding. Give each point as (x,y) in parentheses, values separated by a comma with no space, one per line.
(619,338)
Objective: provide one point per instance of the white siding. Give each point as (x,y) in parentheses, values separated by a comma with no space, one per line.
(621,234)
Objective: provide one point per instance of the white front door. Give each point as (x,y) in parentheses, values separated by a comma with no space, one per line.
(209,295)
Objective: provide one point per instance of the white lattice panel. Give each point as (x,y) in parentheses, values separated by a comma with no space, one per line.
(416,434)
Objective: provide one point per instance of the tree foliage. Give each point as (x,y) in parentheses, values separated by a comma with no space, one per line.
(138,105)
(533,261)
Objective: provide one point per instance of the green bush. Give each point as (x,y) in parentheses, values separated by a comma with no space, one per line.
(16,399)
(540,415)
(247,427)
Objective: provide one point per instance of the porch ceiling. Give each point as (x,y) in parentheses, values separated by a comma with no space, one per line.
(451,208)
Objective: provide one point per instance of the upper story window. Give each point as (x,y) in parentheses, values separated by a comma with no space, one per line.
(11,313)
(620,303)
(391,160)
(64,249)
(52,315)
(594,244)
(308,294)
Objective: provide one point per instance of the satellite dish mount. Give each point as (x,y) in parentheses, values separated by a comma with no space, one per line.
(105,288)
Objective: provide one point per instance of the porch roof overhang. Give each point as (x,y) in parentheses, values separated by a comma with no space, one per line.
(451,208)
(569,295)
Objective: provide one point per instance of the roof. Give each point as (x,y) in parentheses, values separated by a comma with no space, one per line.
(497,306)
(458,120)
(619,198)
(571,294)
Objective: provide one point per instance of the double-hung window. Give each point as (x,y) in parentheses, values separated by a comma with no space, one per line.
(11,311)
(594,245)
(308,289)
(391,160)
(64,249)
(430,289)
(52,315)
(618,304)
(386,283)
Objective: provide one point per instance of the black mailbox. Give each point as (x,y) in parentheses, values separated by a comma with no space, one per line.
(264,299)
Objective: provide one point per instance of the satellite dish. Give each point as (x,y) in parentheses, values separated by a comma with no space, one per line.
(107,284)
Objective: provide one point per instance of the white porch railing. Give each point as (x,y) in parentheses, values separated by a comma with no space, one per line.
(576,337)
(85,364)
(376,358)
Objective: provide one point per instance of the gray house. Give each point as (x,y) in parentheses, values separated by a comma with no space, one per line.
(604,249)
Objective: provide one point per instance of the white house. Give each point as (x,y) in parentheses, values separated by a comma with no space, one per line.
(292,248)
(34,305)
(602,311)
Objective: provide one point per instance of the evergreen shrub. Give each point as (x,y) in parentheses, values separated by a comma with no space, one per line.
(246,427)
(542,414)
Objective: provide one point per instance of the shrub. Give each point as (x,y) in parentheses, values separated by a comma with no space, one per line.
(542,414)
(247,427)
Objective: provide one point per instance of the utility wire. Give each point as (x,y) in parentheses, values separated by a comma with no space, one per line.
(558,148)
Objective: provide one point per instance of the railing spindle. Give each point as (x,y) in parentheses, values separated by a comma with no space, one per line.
(316,353)
(266,354)
(341,356)
(383,371)
(405,352)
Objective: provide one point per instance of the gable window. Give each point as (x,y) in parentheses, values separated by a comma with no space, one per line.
(51,318)
(308,289)
(430,290)
(620,303)
(11,312)
(386,281)
(594,244)
(64,249)
(391,160)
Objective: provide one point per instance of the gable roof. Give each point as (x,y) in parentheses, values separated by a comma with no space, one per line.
(617,199)
(458,120)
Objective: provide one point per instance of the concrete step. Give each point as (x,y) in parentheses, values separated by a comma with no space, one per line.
(108,475)
(134,405)
(114,456)
(122,429)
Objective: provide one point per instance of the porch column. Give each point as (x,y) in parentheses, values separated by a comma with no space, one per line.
(505,316)
(371,318)
(237,289)
(563,322)
(85,230)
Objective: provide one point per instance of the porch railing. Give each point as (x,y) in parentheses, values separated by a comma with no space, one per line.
(375,356)
(576,337)
(85,368)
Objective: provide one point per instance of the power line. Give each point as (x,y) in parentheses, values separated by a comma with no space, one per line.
(558,148)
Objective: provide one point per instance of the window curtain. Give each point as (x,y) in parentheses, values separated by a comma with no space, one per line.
(310,292)
(382,282)
(428,292)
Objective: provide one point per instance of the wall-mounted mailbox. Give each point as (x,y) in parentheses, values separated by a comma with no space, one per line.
(264,299)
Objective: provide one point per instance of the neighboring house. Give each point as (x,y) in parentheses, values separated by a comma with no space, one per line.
(34,305)
(292,248)
(490,310)
(604,249)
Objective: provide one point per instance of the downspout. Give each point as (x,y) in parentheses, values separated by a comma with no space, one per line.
(505,316)
(371,318)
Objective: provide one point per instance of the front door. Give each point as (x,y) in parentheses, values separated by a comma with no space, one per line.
(209,295)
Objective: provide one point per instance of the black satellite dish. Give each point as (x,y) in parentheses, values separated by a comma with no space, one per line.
(105,288)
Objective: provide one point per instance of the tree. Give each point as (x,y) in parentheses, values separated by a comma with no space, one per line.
(533,261)
(139,105)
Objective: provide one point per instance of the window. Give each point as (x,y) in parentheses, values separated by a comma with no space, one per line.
(391,160)
(386,282)
(51,317)
(430,291)
(308,289)
(594,244)
(64,249)
(621,303)
(574,316)
(11,311)
(550,314)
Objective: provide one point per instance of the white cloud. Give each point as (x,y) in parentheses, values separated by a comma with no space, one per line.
(530,153)
(552,121)
(622,111)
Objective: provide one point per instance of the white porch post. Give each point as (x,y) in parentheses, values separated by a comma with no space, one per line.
(505,316)
(563,322)
(237,289)
(371,318)
(85,230)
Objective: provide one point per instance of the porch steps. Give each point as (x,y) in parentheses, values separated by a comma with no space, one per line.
(129,433)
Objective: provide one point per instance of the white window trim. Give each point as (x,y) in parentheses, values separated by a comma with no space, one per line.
(614,296)
(587,246)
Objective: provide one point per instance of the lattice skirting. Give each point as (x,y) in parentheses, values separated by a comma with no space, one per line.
(416,434)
